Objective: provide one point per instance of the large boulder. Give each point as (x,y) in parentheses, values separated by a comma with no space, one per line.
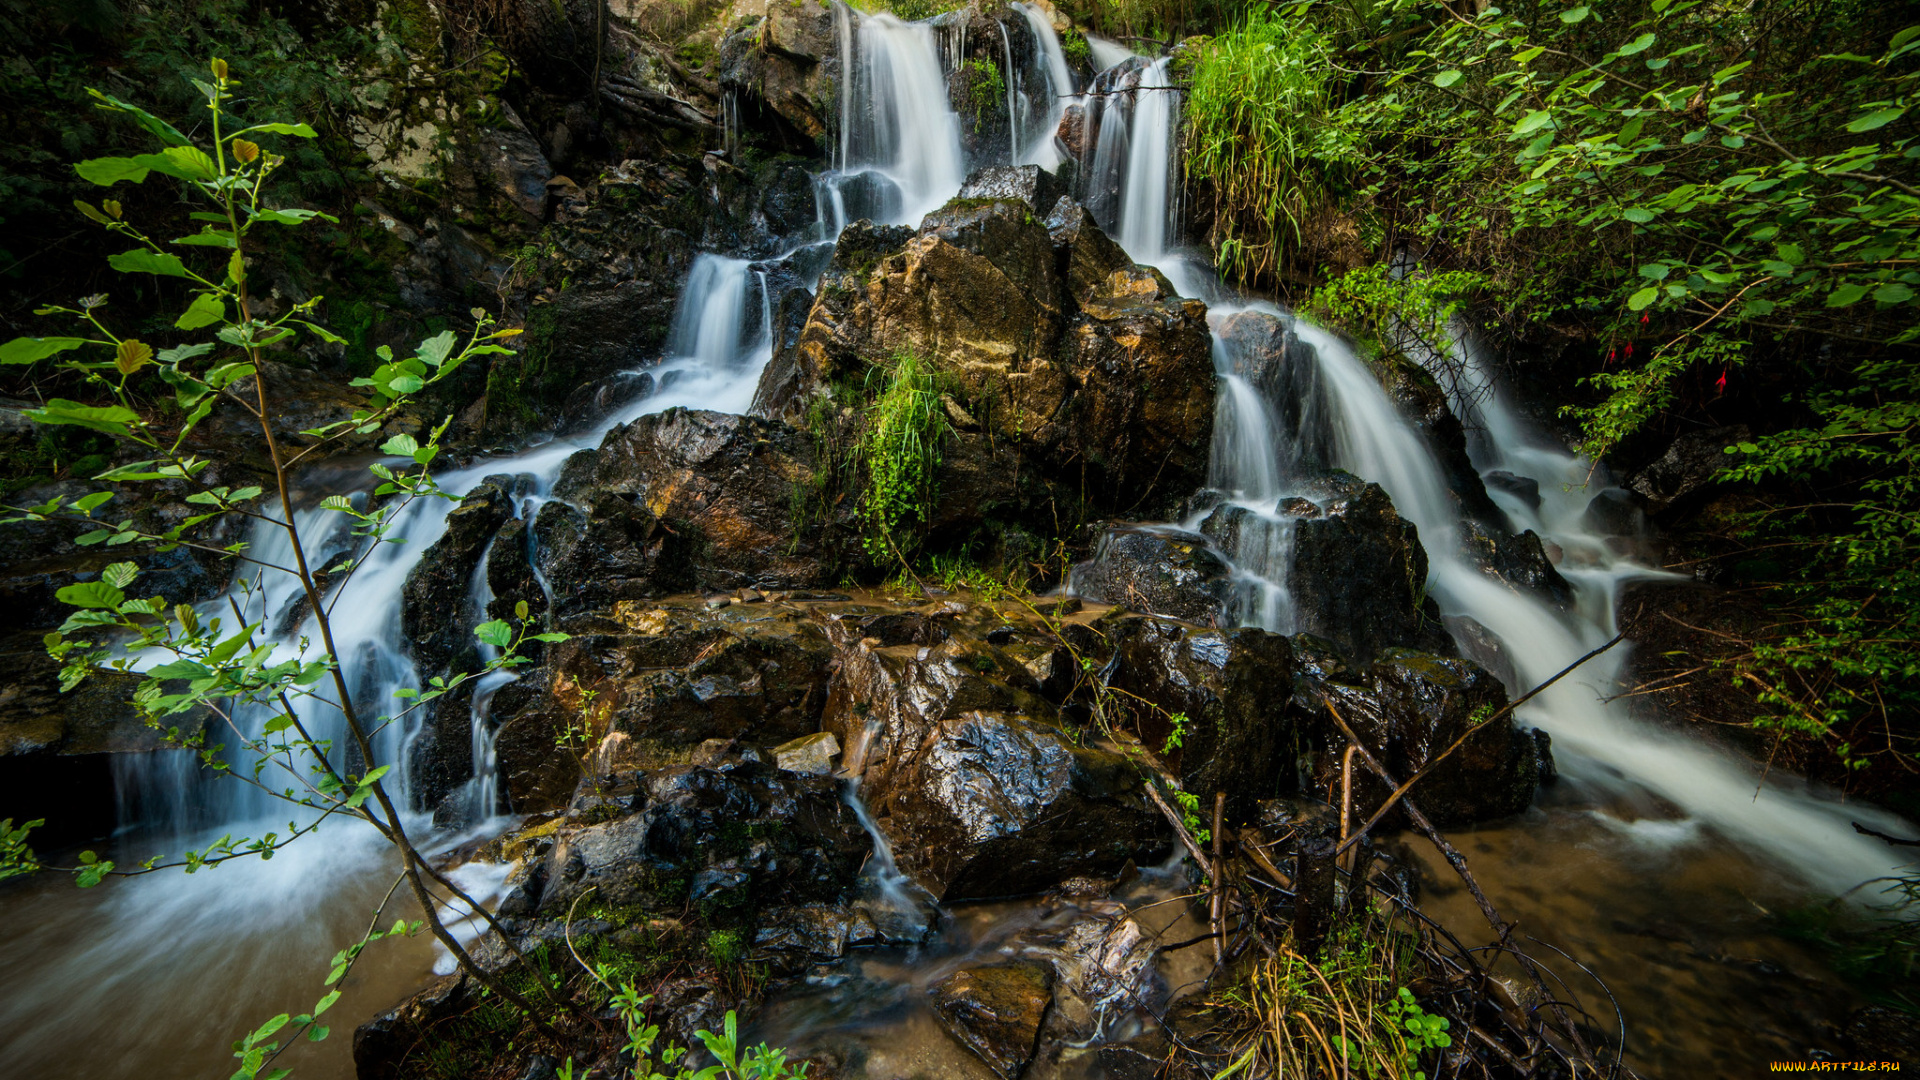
(655,679)
(1070,356)
(1408,708)
(1681,477)
(1519,561)
(712,493)
(979,790)
(1236,734)
(1157,570)
(1357,575)
(728,840)
(785,65)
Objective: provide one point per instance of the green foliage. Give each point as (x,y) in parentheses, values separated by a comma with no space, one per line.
(16,858)
(1258,138)
(915,10)
(1073,45)
(731,1061)
(901,450)
(725,947)
(986,90)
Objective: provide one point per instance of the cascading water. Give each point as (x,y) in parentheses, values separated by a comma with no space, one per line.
(163,955)
(1056,85)
(895,119)
(1598,743)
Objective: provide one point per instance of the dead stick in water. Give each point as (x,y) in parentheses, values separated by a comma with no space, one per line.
(1219,864)
(1459,863)
(1180,830)
(1346,804)
(1401,791)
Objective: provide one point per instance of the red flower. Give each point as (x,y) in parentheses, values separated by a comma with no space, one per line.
(1720,386)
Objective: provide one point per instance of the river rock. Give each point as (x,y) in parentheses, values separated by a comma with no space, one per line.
(811,754)
(731,838)
(1411,706)
(1420,398)
(1681,476)
(716,490)
(1358,575)
(435,612)
(978,790)
(996,1012)
(1520,561)
(1157,570)
(1085,366)
(1524,488)
(1238,734)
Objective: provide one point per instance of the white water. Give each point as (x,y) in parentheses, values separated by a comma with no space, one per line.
(895,116)
(1056,87)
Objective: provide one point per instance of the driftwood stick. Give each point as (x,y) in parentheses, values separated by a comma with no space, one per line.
(1180,830)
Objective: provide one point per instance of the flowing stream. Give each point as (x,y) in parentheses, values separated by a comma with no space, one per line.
(152,976)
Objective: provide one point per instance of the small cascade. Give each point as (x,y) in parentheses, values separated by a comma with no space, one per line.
(1146,204)
(1016,101)
(1106,53)
(896,120)
(897,897)
(1055,85)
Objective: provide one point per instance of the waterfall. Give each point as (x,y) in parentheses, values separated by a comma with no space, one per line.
(1055,85)
(896,119)
(1146,194)
(1107,53)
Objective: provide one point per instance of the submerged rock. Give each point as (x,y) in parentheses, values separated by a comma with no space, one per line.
(996,1012)
(1358,575)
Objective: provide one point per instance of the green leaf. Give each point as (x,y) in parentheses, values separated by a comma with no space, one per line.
(323,333)
(1878,118)
(26,350)
(1893,293)
(206,309)
(277,725)
(108,171)
(207,238)
(1533,122)
(1845,295)
(402,445)
(120,574)
(406,384)
(1573,15)
(496,633)
(108,103)
(1641,299)
(1637,215)
(1637,45)
(181,353)
(435,350)
(91,594)
(142,261)
(1447,78)
(289,217)
(111,419)
(301,130)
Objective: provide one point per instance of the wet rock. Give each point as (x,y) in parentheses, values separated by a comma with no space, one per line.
(1160,571)
(1029,184)
(786,61)
(1524,488)
(814,931)
(1110,390)
(1617,513)
(737,837)
(435,613)
(978,791)
(1412,708)
(811,754)
(1483,647)
(1358,576)
(604,549)
(1883,1034)
(787,201)
(381,1045)
(1238,735)
(996,1012)
(1684,474)
(720,489)
(1520,561)
(1103,966)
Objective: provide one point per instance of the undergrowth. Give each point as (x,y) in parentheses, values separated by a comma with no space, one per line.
(901,449)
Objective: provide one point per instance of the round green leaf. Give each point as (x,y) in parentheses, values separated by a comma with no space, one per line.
(1641,299)
(1894,293)
(1878,118)
(1446,78)
(1573,15)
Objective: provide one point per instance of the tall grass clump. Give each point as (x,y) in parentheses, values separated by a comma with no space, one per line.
(1259,145)
(901,448)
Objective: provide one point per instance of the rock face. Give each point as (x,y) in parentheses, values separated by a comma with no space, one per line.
(664,679)
(1520,561)
(996,1011)
(1086,367)
(968,774)
(784,65)
(1157,570)
(1681,476)
(1358,572)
